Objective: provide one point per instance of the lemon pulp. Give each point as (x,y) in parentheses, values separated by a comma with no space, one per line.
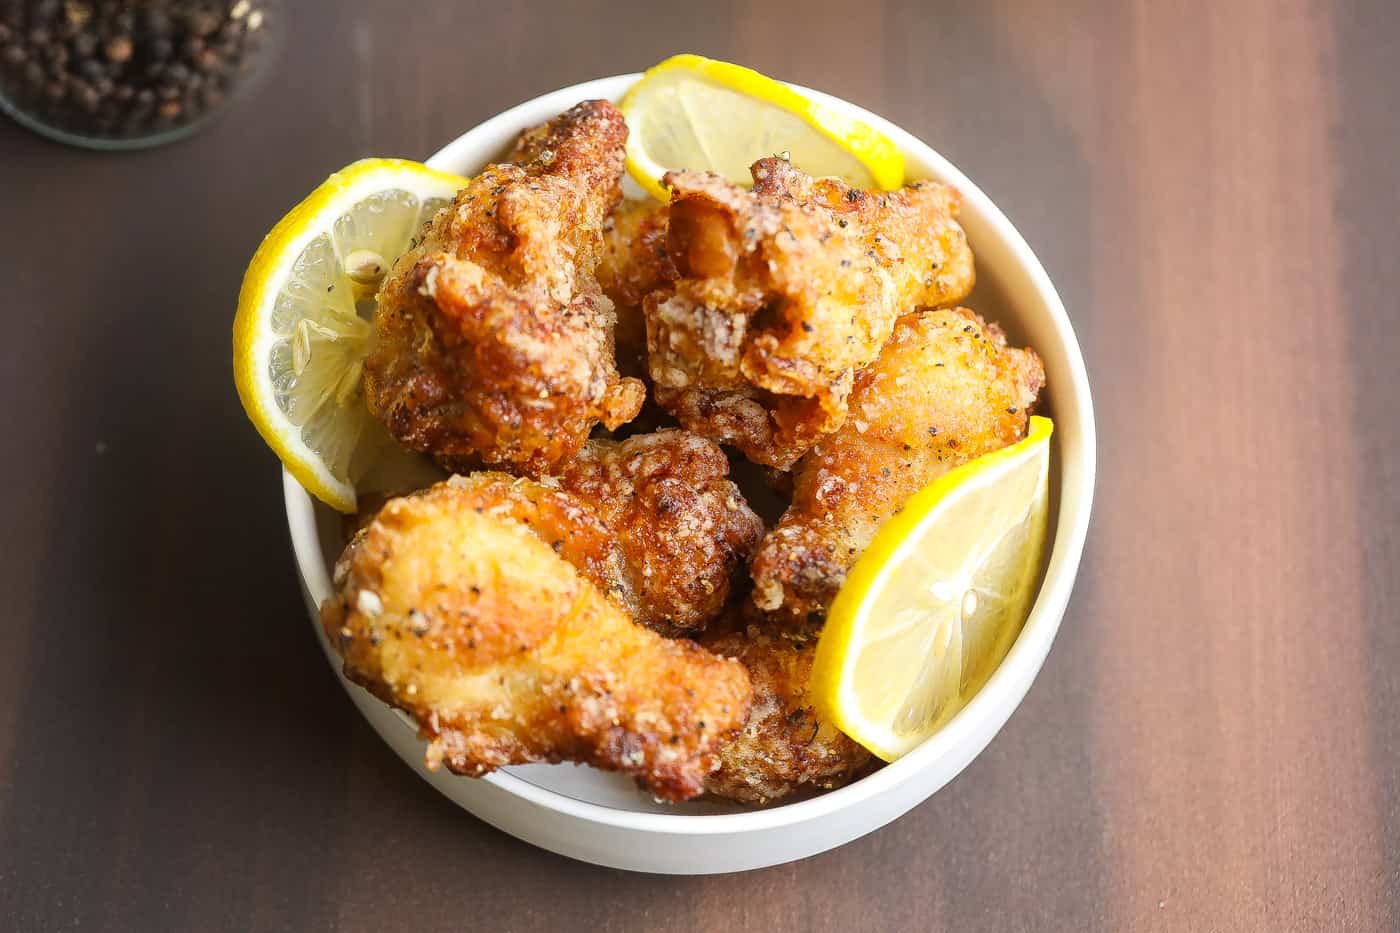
(696,113)
(935,603)
(303,323)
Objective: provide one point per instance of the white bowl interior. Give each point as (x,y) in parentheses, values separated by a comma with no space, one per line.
(1012,290)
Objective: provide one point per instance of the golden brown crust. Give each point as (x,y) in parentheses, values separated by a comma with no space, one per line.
(785,292)
(784,747)
(504,654)
(502,613)
(945,390)
(653,521)
(572,527)
(635,263)
(684,529)
(493,342)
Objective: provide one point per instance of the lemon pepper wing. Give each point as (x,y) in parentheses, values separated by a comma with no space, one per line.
(784,293)
(504,654)
(946,389)
(493,342)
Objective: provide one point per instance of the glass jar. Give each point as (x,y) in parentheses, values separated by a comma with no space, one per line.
(124,74)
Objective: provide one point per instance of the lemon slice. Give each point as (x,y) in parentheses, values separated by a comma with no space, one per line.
(935,602)
(697,113)
(302,328)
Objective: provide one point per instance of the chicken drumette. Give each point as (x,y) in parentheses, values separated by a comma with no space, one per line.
(784,293)
(945,389)
(503,653)
(684,529)
(493,342)
(653,521)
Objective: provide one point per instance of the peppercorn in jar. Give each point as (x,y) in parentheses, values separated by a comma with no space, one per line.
(116,74)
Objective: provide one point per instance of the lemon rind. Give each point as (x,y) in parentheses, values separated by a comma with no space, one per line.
(879,154)
(834,661)
(266,273)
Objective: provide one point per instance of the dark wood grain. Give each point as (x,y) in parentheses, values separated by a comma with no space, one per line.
(1213,743)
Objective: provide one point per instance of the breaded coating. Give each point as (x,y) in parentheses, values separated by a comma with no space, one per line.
(787,291)
(653,521)
(635,263)
(683,527)
(945,390)
(569,525)
(493,343)
(504,654)
(784,747)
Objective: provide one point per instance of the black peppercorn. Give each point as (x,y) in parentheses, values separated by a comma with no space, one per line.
(125,68)
(203,22)
(118,49)
(76,13)
(85,95)
(84,45)
(157,22)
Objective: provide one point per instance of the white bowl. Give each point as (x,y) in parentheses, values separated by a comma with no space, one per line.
(603,818)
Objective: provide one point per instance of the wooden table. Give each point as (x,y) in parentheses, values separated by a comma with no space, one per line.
(1214,742)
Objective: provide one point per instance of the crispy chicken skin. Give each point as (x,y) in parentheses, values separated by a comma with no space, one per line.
(945,390)
(785,292)
(493,343)
(572,527)
(503,653)
(653,521)
(684,529)
(635,263)
(784,747)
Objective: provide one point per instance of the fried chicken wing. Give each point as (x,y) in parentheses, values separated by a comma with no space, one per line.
(785,292)
(635,263)
(493,342)
(684,529)
(570,526)
(503,653)
(784,746)
(945,390)
(653,521)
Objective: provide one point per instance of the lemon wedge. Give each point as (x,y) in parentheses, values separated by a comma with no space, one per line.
(936,601)
(303,322)
(697,113)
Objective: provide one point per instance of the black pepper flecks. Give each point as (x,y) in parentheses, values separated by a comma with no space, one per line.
(126,69)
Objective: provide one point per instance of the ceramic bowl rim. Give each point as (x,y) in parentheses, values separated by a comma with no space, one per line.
(1023,661)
